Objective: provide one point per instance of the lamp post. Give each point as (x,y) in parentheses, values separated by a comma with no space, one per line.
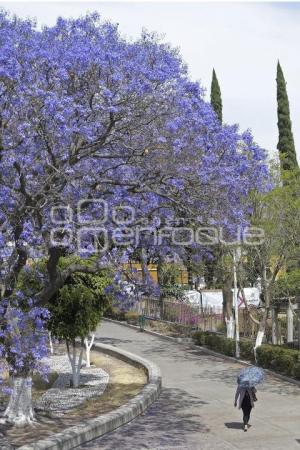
(236,305)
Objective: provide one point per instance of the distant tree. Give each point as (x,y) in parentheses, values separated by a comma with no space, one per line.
(168,275)
(288,284)
(215,96)
(286,145)
(278,214)
(216,103)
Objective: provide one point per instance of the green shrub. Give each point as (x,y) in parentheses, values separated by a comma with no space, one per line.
(279,359)
(212,341)
(228,346)
(274,357)
(215,342)
(220,344)
(224,345)
(246,350)
(221,328)
(265,355)
(284,363)
(199,337)
(297,370)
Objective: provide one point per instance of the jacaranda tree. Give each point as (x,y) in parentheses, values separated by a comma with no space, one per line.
(87,117)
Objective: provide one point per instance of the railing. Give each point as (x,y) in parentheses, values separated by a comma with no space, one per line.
(211,319)
(168,311)
(205,319)
(183,314)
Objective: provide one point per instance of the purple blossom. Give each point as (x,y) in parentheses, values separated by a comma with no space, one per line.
(89,115)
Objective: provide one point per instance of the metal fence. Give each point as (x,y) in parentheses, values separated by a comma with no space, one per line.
(212,319)
(205,319)
(170,311)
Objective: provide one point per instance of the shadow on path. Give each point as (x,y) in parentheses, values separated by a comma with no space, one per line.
(112,341)
(227,371)
(235,425)
(167,422)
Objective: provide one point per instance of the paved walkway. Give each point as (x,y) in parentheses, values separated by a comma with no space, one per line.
(195,410)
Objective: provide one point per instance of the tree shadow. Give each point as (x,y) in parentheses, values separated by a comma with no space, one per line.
(57,420)
(227,371)
(166,423)
(112,341)
(171,350)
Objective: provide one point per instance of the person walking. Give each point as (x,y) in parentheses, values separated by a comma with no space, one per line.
(246,398)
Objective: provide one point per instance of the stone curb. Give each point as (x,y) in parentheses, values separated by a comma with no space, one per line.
(188,341)
(94,428)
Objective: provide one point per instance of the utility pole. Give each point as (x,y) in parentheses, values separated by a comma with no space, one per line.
(236,306)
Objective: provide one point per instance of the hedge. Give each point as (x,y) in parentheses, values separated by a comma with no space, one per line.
(282,360)
(224,345)
(279,359)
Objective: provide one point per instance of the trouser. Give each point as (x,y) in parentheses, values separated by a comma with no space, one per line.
(246,415)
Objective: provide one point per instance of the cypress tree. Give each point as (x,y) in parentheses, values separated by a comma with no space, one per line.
(215,96)
(216,103)
(286,145)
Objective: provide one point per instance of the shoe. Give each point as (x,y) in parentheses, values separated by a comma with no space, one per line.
(245,428)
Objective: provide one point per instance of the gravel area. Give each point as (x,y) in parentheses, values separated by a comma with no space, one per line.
(61,397)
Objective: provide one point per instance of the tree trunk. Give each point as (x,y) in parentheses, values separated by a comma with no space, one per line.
(274,326)
(230,325)
(160,283)
(19,411)
(189,267)
(210,267)
(75,361)
(144,266)
(261,331)
(263,321)
(50,343)
(88,346)
(290,323)
(228,306)
(259,338)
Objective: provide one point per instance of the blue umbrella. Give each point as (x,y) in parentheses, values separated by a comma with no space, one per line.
(251,376)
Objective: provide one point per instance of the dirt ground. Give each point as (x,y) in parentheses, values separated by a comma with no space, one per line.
(168,329)
(125,382)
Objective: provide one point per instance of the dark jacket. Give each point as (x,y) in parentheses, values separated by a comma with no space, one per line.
(240,394)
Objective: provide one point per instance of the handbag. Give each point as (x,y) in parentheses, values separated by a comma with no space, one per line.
(254,395)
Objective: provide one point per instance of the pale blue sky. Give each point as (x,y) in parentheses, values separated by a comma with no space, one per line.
(241,40)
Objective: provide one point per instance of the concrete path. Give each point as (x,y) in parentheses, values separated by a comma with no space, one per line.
(195,410)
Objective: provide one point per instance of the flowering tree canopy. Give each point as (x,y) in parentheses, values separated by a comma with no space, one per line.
(86,116)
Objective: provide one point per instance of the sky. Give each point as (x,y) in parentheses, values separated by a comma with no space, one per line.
(242,41)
